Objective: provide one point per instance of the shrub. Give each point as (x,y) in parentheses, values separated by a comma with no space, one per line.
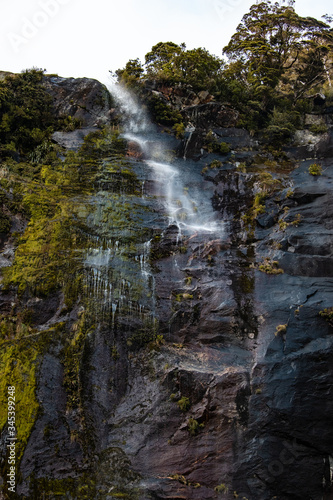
(194,426)
(179,130)
(281,329)
(270,267)
(221,488)
(327,314)
(315,169)
(212,145)
(319,128)
(184,403)
(224,148)
(163,113)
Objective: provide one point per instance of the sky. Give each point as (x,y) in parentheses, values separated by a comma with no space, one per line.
(87,38)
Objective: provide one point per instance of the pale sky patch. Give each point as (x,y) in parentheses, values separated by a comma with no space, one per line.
(89,37)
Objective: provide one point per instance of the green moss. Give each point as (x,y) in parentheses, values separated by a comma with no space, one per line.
(258,204)
(179,130)
(215,164)
(18,366)
(72,359)
(83,487)
(148,334)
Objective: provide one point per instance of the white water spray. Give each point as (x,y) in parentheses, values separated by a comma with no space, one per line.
(182,207)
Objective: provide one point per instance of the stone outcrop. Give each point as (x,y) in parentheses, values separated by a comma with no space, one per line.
(235,400)
(84,99)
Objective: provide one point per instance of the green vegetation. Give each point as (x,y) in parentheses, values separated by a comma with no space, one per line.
(26,118)
(318,128)
(184,403)
(18,366)
(315,169)
(194,426)
(57,197)
(269,266)
(276,57)
(280,330)
(276,60)
(163,113)
(221,488)
(212,145)
(327,314)
(171,64)
(182,479)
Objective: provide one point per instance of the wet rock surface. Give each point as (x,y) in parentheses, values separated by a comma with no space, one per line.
(225,404)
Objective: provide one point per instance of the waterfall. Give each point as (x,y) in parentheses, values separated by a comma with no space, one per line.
(183,204)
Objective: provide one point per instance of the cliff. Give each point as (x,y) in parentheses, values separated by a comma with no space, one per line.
(155,359)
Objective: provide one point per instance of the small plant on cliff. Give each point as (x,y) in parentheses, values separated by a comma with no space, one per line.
(270,267)
(258,204)
(315,169)
(212,145)
(318,128)
(194,426)
(179,130)
(297,220)
(221,488)
(327,314)
(280,330)
(184,403)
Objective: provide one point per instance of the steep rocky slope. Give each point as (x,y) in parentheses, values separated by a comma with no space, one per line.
(193,365)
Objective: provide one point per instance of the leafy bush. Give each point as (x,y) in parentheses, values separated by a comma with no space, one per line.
(163,113)
(194,426)
(212,145)
(184,403)
(270,267)
(26,117)
(280,330)
(315,169)
(327,314)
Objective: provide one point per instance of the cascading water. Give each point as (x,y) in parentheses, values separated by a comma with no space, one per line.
(184,205)
(118,268)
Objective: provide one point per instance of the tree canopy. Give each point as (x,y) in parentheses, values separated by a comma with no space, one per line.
(274,61)
(172,64)
(26,117)
(275,48)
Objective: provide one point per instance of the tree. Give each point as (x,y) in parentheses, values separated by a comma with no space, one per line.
(26,117)
(199,68)
(273,42)
(131,74)
(171,64)
(160,61)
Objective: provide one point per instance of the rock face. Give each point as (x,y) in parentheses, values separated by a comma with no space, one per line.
(85,99)
(210,375)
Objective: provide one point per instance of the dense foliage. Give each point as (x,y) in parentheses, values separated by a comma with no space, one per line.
(172,64)
(26,118)
(275,60)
